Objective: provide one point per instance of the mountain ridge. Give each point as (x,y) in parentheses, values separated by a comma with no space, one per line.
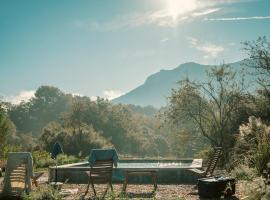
(157,87)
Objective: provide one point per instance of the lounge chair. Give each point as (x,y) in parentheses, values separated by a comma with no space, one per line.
(211,165)
(101,166)
(18,174)
(2,166)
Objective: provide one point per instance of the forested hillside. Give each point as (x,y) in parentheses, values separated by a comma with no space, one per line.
(81,124)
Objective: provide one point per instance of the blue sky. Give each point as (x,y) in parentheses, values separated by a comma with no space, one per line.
(108,47)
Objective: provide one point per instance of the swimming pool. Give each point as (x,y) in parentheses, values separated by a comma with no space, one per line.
(168,171)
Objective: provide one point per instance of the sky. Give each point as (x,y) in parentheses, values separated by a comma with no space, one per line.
(109,47)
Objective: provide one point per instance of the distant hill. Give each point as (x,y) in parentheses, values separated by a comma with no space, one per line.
(157,87)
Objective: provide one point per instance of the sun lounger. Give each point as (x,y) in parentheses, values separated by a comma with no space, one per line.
(212,162)
(19,174)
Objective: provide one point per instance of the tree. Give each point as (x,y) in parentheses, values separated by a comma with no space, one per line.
(73,144)
(259,63)
(259,60)
(6,128)
(46,106)
(215,106)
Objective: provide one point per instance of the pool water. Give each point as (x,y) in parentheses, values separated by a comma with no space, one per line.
(196,163)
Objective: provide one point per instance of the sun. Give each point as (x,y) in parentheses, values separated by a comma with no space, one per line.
(176,8)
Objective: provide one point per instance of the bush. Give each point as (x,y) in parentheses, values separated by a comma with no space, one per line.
(73,143)
(9,148)
(253,190)
(42,159)
(262,155)
(253,144)
(243,172)
(43,193)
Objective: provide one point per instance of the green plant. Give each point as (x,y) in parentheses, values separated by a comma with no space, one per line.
(253,145)
(262,155)
(42,159)
(9,148)
(253,190)
(243,172)
(43,193)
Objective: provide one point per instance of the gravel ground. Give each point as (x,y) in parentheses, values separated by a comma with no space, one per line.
(164,192)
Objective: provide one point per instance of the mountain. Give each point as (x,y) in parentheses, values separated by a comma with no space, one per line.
(158,86)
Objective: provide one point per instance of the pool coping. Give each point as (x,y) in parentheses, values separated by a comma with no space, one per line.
(196,163)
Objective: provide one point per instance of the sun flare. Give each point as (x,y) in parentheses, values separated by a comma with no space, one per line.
(176,8)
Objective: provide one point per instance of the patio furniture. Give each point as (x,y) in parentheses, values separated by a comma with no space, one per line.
(101,166)
(57,149)
(212,162)
(152,173)
(2,166)
(18,174)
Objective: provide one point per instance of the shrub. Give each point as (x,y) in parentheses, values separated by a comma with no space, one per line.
(253,190)
(42,159)
(243,172)
(43,193)
(253,144)
(73,143)
(9,148)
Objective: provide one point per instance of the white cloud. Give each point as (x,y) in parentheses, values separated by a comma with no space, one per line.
(192,41)
(206,12)
(93,98)
(22,96)
(210,50)
(237,18)
(112,94)
(173,12)
(77,94)
(163,40)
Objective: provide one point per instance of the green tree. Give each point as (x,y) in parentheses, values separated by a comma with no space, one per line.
(6,128)
(258,62)
(46,106)
(215,107)
(73,144)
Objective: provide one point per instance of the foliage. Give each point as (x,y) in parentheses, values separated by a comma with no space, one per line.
(259,60)
(78,144)
(44,107)
(81,124)
(253,144)
(146,110)
(253,190)
(42,159)
(43,193)
(258,63)
(243,172)
(9,148)
(215,108)
(6,128)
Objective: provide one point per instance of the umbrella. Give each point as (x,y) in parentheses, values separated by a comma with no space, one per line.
(57,149)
